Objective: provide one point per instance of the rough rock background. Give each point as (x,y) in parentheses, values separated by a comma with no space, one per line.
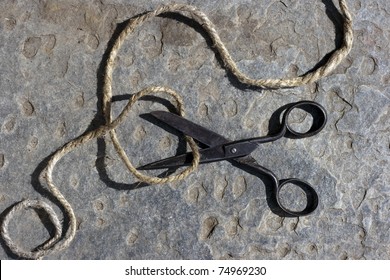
(51,55)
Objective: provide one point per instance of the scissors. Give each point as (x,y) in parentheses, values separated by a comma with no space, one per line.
(238,152)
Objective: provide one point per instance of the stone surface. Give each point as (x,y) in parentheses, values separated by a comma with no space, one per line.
(51,56)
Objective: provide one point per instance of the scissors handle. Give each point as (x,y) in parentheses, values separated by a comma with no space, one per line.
(317,112)
(314,109)
(274,192)
(311,197)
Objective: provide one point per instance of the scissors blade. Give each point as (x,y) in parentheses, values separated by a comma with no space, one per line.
(203,135)
(206,156)
(221,148)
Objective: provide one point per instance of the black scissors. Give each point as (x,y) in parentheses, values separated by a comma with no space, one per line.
(238,152)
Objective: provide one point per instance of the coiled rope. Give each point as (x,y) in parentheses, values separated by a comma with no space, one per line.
(60,241)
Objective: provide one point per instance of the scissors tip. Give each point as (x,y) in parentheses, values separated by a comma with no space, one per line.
(144,167)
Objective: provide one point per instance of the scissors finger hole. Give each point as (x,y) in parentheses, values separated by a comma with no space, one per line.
(296,197)
(305,119)
(292,197)
(300,121)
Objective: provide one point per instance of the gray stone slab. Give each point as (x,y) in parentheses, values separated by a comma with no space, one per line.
(51,55)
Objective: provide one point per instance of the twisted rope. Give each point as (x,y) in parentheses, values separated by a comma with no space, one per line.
(60,241)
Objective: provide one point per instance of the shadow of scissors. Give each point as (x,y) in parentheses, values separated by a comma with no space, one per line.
(238,152)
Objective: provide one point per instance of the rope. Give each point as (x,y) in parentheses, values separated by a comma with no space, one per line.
(60,241)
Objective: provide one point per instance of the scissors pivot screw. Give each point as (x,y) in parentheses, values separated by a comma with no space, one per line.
(233,150)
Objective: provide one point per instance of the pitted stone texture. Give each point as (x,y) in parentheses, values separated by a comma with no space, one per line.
(52,55)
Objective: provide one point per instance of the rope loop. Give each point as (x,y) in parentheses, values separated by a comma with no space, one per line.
(37,205)
(122,154)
